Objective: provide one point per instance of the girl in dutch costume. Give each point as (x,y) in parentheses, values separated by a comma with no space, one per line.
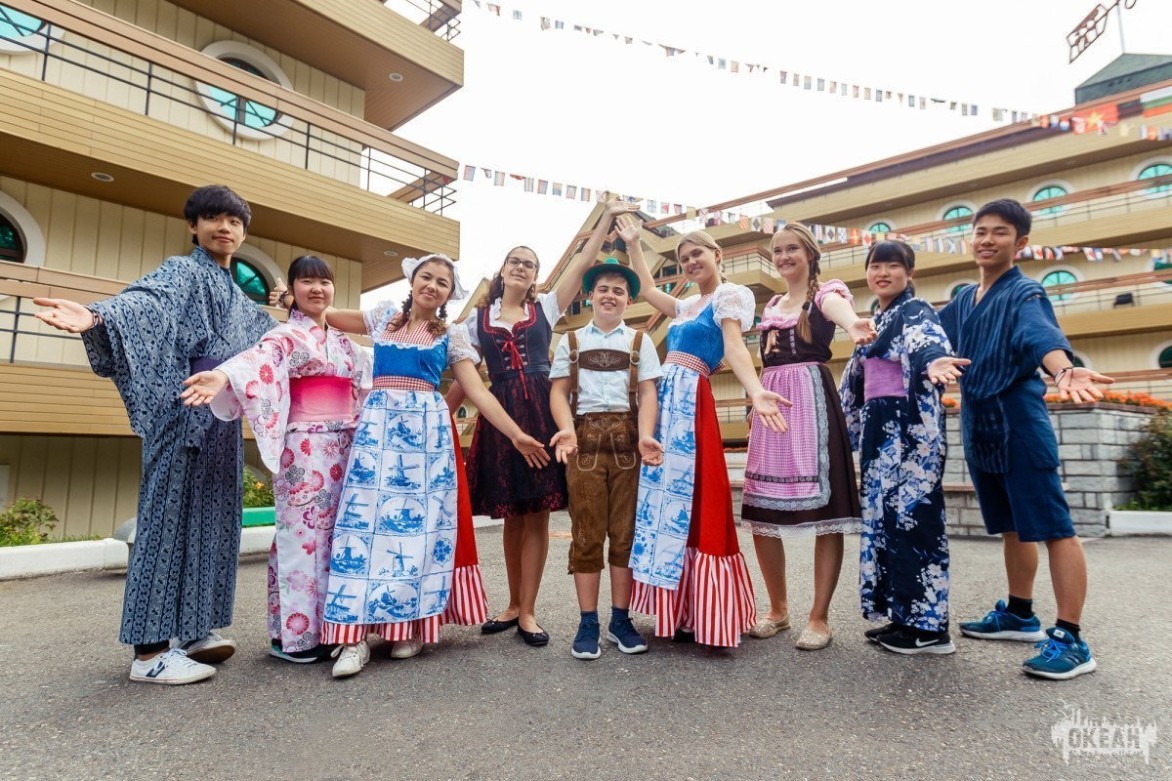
(896,420)
(512,327)
(300,389)
(802,483)
(404,556)
(688,568)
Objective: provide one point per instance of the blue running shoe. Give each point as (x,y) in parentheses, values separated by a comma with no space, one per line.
(1000,624)
(622,633)
(1061,658)
(586,641)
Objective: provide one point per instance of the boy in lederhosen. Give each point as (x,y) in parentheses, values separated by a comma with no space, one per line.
(603,401)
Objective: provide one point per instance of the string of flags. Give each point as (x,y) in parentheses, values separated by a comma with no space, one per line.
(825,234)
(796,79)
(1099,119)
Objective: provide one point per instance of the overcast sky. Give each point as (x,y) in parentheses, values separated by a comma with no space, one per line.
(594,112)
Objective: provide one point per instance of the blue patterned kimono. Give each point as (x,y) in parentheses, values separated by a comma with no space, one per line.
(182,576)
(903,558)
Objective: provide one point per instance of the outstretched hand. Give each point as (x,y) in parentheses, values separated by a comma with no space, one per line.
(862,331)
(534,452)
(203,387)
(766,408)
(1079,384)
(946,369)
(64,315)
(564,444)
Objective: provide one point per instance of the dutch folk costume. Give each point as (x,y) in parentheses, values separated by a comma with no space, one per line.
(896,420)
(502,483)
(801,482)
(184,317)
(404,556)
(688,567)
(300,389)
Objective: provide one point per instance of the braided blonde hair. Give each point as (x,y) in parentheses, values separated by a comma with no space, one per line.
(806,238)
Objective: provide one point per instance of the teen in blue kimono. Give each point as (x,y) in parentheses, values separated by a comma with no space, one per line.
(1006,326)
(895,420)
(186,316)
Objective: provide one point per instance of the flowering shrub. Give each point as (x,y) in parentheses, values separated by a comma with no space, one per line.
(257,493)
(1129,398)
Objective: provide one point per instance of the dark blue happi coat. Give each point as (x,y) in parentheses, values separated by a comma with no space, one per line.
(903,551)
(182,576)
(1005,336)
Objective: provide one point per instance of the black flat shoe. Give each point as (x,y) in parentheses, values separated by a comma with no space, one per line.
(492,626)
(535,639)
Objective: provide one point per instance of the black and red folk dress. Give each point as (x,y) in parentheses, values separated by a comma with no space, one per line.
(517,357)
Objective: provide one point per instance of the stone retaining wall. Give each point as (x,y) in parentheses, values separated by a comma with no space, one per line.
(1091,440)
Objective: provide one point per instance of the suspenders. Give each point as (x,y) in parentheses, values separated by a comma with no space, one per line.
(604,361)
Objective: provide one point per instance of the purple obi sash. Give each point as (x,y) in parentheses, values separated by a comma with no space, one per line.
(204,363)
(319,399)
(882,377)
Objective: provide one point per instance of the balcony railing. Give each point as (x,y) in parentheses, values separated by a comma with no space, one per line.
(169,82)
(442,17)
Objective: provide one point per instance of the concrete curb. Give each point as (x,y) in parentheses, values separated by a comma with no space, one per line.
(26,561)
(30,561)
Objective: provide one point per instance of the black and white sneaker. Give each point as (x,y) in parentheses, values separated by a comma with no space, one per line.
(909,641)
(172,668)
(873,634)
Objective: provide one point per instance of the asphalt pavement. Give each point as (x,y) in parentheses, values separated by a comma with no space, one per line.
(490,707)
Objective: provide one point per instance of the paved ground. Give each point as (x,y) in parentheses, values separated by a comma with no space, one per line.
(491,708)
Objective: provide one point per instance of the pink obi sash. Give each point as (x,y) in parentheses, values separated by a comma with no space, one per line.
(882,377)
(320,399)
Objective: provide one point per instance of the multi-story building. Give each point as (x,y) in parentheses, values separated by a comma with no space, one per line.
(115,111)
(1102,192)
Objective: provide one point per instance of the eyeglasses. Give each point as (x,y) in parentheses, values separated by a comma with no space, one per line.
(528,265)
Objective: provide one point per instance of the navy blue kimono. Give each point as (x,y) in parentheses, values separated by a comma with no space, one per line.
(182,576)
(903,550)
(1009,443)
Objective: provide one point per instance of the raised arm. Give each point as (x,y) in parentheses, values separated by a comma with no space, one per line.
(349,320)
(629,228)
(571,282)
(736,355)
(534,451)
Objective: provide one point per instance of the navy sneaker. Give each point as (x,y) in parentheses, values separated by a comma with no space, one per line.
(622,633)
(586,641)
(873,635)
(1061,658)
(908,641)
(1000,624)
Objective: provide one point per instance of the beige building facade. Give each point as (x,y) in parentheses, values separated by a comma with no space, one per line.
(117,109)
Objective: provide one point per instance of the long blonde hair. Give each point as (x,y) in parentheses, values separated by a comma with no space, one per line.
(807,240)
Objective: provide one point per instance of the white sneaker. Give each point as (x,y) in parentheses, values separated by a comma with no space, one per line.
(173,668)
(351,659)
(212,649)
(405,649)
